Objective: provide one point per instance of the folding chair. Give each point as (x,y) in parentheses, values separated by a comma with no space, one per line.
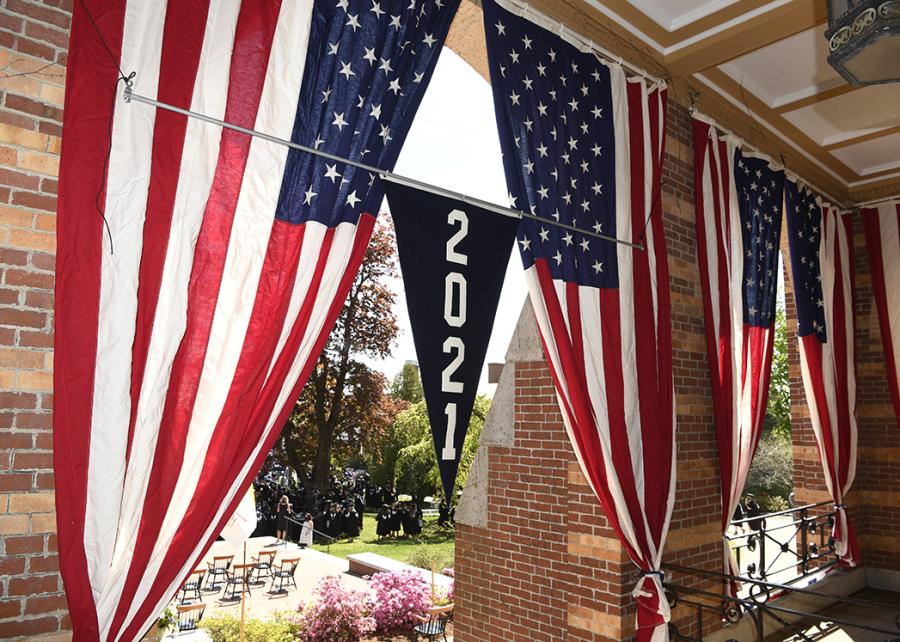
(435,624)
(189,615)
(192,585)
(283,574)
(218,568)
(239,576)
(262,566)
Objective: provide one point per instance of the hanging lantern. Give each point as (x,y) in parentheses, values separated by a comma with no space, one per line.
(864,40)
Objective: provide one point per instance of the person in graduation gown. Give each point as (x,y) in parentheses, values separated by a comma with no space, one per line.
(383,522)
(306,531)
(351,521)
(414,522)
(396,519)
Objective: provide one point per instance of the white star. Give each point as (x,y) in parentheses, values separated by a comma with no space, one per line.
(544,234)
(584,90)
(362,101)
(555,215)
(346,71)
(353,199)
(558,257)
(332,172)
(375,111)
(598,227)
(527,42)
(542,150)
(318,142)
(528,123)
(309,194)
(333,48)
(512,199)
(385,134)
(529,166)
(597,112)
(542,109)
(567,198)
(394,86)
(552,55)
(568,238)
(574,67)
(565,158)
(339,121)
(514,55)
(596,149)
(326,95)
(376,9)
(526,244)
(542,70)
(429,39)
(527,82)
(573,144)
(563,79)
(598,267)
(573,104)
(585,245)
(395,22)
(585,205)
(418,77)
(353,22)
(501,30)
(386,66)
(343,4)
(543,192)
(514,97)
(596,75)
(598,188)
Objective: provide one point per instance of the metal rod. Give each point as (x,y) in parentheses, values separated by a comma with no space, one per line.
(879,201)
(129,96)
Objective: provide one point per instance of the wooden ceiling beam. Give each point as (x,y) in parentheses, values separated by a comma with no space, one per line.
(862,138)
(749,35)
(822,96)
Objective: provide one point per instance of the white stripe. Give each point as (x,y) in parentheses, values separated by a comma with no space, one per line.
(827,270)
(198,163)
(126,201)
(244,261)
(890,256)
(538,302)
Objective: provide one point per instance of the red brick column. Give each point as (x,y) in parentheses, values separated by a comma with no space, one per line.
(535,557)
(33,42)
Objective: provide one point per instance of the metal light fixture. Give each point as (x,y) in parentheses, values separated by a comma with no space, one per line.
(864,40)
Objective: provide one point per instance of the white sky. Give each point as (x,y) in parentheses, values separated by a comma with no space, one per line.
(453,143)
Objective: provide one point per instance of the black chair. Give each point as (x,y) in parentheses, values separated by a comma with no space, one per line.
(238,582)
(262,566)
(189,615)
(192,585)
(218,568)
(435,624)
(283,574)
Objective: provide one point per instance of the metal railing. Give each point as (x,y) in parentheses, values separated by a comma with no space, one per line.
(328,538)
(765,603)
(803,544)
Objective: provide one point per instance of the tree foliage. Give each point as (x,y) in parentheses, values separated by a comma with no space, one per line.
(407,385)
(778,409)
(343,410)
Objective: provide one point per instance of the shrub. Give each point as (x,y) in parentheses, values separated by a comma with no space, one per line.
(227,628)
(429,558)
(336,614)
(771,472)
(399,598)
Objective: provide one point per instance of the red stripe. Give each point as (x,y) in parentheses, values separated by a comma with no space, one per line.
(249,61)
(90,92)
(872,225)
(840,334)
(191,531)
(182,42)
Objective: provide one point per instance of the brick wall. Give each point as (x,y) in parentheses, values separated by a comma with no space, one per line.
(33,41)
(547,566)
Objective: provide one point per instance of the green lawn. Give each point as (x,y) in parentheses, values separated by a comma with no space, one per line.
(434,546)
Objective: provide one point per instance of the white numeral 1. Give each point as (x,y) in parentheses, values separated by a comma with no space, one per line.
(449,452)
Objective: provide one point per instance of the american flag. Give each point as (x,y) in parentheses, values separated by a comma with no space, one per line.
(882,228)
(822,262)
(181,347)
(582,145)
(739,201)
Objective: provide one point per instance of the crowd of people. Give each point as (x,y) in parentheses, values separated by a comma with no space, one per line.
(286,509)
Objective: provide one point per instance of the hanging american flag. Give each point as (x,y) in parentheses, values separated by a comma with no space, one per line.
(583,145)
(185,331)
(882,228)
(738,205)
(822,267)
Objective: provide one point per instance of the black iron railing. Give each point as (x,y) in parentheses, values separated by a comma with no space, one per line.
(766,603)
(798,540)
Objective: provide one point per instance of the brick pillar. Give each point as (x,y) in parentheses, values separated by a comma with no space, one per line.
(33,42)
(535,557)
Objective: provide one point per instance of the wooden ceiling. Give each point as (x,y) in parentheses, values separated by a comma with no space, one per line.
(759,69)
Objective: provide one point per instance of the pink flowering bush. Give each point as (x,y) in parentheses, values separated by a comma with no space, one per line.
(448,572)
(336,614)
(399,598)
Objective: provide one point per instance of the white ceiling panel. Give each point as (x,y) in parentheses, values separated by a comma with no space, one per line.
(872,156)
(787,70)
(674,14)
(860,112)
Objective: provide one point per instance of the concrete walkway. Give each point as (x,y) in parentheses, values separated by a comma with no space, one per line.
(874,616)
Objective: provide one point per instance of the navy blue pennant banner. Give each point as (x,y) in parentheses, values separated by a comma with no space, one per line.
(453,257)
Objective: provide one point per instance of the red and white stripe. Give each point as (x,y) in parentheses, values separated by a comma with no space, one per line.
(610,355)
(739,355)
(829,374)
(205,316)
(882,227)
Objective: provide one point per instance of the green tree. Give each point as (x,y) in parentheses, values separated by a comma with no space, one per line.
(778,409)
(407,385)
(343,410)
